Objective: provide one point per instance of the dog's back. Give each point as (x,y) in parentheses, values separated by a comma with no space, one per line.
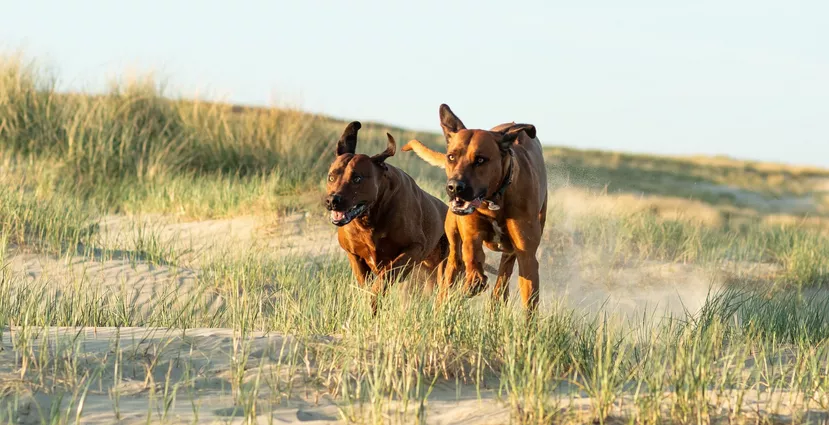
(427,212)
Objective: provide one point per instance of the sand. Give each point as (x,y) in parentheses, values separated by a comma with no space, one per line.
(204,363)
(206,357)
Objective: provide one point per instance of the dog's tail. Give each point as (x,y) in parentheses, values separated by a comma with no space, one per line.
(431,157)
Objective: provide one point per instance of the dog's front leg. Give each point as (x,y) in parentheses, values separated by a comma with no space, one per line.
(397,269)
(526,237)
(501,291)
(473,259)
(359,268)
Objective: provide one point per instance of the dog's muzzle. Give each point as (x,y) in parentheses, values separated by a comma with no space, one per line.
(341,218)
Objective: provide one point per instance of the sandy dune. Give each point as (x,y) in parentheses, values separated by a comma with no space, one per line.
(124,373)
(124,269)
(130,367)
(204,360)
(628,289)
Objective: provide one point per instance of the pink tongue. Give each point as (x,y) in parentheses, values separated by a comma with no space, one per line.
(475,203)
(337,215)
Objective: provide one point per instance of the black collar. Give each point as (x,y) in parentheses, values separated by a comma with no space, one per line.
(504,184)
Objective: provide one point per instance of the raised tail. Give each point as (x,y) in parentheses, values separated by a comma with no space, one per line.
(431,157)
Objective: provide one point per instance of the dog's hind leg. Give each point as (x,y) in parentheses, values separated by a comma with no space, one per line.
(435,277)
(397,270)
(501,290)
(542,216)
(438,260)
(378,290)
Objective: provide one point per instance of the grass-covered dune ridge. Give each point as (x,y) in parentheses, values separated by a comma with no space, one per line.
(132,147)
(116,147)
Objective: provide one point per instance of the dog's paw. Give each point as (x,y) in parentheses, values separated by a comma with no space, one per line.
(476,282)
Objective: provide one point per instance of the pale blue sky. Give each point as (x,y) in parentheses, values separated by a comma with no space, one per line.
(743,78)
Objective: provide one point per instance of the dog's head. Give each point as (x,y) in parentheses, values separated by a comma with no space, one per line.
(476,160)
(354,180)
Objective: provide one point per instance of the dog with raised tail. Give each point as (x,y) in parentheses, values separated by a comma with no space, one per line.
(497,186)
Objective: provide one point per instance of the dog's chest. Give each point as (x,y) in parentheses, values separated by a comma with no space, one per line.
(497,239)
(382,251)
(375,248)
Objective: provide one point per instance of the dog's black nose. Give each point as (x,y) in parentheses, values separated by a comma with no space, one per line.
(332,202)
(455,187)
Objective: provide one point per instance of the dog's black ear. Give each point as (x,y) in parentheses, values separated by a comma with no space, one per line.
(348,141)
(509,135)
(449,122)
(381,157)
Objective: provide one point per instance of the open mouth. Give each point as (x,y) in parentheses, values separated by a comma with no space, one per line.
(463,207)
(341,218)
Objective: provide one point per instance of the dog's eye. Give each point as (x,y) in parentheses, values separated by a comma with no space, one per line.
(451,158)
(331,178)
(480,160)
(356,179)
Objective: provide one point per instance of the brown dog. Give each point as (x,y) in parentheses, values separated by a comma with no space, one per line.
(387,223)
(497,183)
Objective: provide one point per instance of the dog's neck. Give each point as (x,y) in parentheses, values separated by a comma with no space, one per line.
(511,166)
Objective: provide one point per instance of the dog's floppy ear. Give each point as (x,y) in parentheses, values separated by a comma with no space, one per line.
(381,157)
(348,141)
(449,122)
(509,135)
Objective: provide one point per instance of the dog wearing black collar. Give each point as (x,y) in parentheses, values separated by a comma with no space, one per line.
(497,187)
